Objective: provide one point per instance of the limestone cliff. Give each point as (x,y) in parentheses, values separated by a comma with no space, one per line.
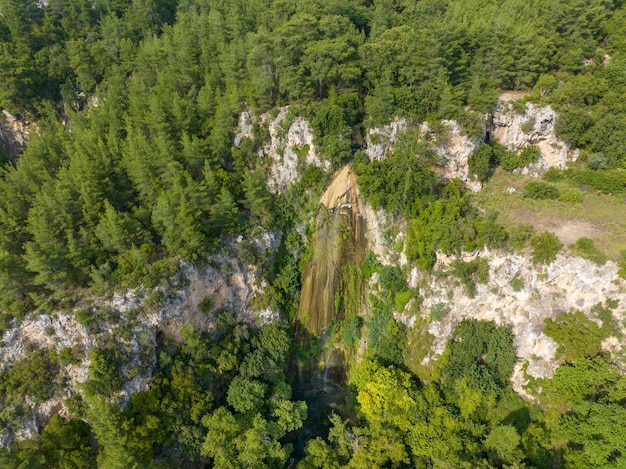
(134,321)
(513,129)
(289,146)
(521,295)
(534,126)
(14,134)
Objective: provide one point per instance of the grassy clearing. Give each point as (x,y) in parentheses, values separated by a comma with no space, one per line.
(600,217)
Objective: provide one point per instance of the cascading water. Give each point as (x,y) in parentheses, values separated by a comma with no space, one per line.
(338,241)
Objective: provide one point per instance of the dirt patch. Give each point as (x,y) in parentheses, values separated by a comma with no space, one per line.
(567,230)
(512,95)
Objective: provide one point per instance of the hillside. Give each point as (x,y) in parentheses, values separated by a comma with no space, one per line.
(312,234)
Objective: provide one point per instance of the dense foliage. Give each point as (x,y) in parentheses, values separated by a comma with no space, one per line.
(131,170)
(152,90)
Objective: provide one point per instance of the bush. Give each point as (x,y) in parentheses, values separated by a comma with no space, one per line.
(609,181)
(84,317)
(576,335)
(482,353)
(401,299)
(571,195)
(470,273)
(529,154)
(499,152)
(529,125)
(439,311)
(553,175)
(517,284)
(573,125)
(479,162)
(510,160)
(545,247)
(490,233)
(206,305)
(519,236)
(540,190)
(5,322)
(597,161)
(391,279)
(621,263)
(585,247)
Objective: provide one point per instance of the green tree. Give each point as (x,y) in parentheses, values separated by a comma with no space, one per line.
(545,247)
(480,161)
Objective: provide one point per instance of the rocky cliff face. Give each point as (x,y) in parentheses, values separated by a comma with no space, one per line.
(290,146)
(454,148)
(132,321)
(380,140)
(535,126)
(13,135)
(521,295)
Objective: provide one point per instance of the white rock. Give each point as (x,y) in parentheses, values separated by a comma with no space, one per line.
(536,126)
(568,284)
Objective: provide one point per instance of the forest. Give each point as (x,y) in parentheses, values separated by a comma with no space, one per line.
(132,170)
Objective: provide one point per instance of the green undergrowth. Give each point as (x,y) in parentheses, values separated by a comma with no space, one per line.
(574,213)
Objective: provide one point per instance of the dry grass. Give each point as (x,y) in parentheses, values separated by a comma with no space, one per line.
(599,217)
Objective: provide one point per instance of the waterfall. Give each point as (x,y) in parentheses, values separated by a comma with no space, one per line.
(338,241)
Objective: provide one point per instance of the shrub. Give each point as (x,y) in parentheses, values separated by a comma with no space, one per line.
(5,322)
(206,305)
(84,317)
(519,106)
(482,353)
(553,175)
(69,355)
(479,162)
(529,154)
(541,190)
(545,247)
(529,125)
(490,233)
(621,263)
(571,195)
(517,284)
(401,299)
(509,160)
(597,161)
(499,152)
(391,279)
(470,273)
(576,335)
(439,311)
(519,236)
(609,181)
(585,247)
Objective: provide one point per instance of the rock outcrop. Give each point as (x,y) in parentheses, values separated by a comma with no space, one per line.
(454,148)
(290,146)
(535,126)
(380,140)
(13,135)
(133,320)
(454,153)
(521,295)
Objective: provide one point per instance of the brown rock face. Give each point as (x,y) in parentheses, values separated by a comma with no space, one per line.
(339,241)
